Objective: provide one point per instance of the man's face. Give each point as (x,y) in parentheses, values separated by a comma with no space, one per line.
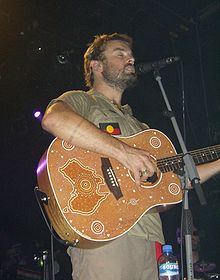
(118,65)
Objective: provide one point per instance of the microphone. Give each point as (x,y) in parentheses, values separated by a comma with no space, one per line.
(146,67)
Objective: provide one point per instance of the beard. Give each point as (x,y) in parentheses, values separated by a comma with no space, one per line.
(118,78)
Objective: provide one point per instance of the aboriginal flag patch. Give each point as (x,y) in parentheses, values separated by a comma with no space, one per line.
(111,128)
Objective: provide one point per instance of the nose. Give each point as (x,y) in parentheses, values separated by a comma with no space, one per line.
(131,60)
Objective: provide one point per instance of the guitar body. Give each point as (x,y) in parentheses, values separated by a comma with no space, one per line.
(81,206)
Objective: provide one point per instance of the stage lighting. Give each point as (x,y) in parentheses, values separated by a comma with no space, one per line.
(63,58)
(37,114)
(36,49)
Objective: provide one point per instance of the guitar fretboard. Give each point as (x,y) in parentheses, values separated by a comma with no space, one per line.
(199,156)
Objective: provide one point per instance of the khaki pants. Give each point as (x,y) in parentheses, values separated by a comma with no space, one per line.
(126,258)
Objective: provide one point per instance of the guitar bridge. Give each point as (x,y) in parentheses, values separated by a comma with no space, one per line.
(110,178)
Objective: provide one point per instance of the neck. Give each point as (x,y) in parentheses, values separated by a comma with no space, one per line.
(112,93)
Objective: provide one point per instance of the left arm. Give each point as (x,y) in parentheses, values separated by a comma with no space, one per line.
(208,170)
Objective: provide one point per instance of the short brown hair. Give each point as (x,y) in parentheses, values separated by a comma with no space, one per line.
(95,52)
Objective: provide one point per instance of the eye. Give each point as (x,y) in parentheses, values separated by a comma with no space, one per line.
(120,54)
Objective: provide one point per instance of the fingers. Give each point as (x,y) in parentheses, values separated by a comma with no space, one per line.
(144,176)
(144,170)
(137,179)
(139,162)
(151,179)
(148,168)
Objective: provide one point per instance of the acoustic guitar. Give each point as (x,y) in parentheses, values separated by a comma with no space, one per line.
(92,199)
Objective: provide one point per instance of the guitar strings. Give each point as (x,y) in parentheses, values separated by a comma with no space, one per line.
(174,162)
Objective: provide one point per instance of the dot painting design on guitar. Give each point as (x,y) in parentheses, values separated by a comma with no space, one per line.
(86,196)
(85,205)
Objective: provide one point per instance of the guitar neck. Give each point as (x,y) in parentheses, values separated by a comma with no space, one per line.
(200,156)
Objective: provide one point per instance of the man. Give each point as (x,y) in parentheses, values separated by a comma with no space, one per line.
(201,266)
(79,118)
(195,245)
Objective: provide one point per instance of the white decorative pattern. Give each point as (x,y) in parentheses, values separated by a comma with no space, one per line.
(155,142)
(133,201)
(174,189)
(67,146)
(97,227)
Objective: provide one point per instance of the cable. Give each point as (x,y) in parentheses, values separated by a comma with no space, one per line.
(64,242)
(202,76)
(52,255)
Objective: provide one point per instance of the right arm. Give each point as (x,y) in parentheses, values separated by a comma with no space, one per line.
(61,121)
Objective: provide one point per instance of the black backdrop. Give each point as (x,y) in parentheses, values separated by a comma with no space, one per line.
(34,33)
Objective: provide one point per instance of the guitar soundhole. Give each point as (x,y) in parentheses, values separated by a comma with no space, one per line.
(174,189)
(155,142)
(97,227)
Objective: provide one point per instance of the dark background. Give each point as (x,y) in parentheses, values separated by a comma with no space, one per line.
(35,34)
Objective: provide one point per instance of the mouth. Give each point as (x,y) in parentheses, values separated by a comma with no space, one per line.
(130,69)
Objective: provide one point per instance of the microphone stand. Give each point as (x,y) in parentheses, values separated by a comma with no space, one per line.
(189,173)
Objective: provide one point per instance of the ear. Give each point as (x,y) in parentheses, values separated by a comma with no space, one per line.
(96,65)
